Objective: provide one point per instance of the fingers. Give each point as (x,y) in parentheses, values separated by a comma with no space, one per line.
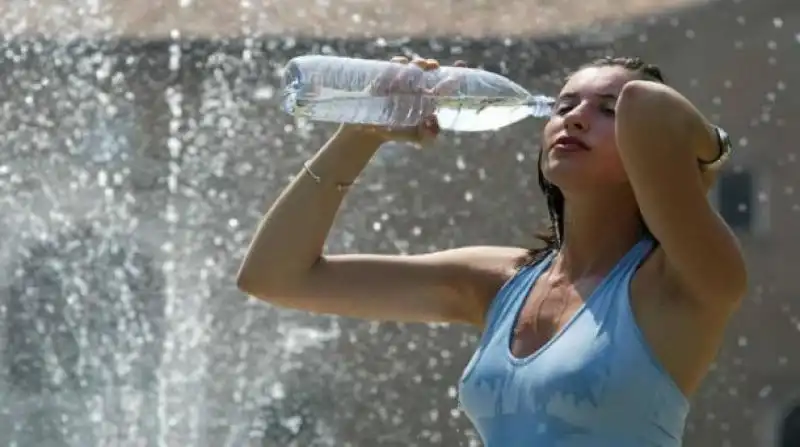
(403,83)
(447,87)
(409,96)
(383,82)
(395,78)
(410,80)
(429,128)
(450,85)
(423,100)
(425,64)
(419,135)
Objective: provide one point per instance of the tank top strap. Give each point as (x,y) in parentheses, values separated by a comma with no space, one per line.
(516,288)
(635,256)
(618,280)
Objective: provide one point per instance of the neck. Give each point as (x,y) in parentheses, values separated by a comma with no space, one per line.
(598,231)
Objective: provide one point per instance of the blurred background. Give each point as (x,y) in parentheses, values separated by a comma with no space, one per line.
(141,143)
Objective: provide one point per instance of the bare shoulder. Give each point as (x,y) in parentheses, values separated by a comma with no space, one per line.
(481,271)
(489,258)
(491,268)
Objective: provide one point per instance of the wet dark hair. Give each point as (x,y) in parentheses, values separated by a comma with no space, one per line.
(554,234)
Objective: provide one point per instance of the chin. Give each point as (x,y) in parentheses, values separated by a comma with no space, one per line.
(583,184)
(570,173)
(568,176)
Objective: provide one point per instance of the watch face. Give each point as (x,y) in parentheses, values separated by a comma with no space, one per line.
(725,144)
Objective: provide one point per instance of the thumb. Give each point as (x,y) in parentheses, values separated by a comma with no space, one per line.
(449,86)
(420,135)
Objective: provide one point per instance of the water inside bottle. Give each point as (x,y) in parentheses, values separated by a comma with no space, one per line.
(485,114)
(460,114)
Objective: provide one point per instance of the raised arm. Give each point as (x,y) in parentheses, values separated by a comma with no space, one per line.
(661,137)
(285,266)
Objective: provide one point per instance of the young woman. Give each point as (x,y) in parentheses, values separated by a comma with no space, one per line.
(596,340)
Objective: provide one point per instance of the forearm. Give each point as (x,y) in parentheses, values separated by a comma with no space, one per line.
(661,136)
(290,238)
(657,113)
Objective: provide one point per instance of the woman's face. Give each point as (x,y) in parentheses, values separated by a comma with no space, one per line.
(580,144)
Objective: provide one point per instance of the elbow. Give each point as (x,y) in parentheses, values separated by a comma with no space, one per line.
(640,113)
(651,115)
(641,92)
(261,287)
(257,280)
(647,106)
(740,285)
(735,281)
(638,94)
(246,281)
(655,106)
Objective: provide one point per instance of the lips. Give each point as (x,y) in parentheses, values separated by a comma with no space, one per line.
(570,143)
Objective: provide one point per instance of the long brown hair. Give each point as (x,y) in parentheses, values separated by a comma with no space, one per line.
(554,235)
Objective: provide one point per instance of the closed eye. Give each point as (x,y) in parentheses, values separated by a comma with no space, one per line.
(605,109)
(610,111)
(561,109)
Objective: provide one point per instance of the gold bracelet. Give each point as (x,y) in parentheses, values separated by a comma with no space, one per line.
(307,169)
(341,186)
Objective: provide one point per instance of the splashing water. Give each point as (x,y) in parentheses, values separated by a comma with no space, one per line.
(109,315)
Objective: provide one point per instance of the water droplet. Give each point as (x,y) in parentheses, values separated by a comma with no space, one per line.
(765,392)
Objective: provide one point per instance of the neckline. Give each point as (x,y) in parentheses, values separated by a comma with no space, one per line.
(537,273)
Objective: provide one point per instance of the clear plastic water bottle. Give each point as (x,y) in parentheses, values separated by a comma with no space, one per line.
(361,91)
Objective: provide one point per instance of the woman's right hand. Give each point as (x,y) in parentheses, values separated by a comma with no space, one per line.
(406,78)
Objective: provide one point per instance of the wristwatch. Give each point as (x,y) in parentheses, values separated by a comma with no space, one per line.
(725,149)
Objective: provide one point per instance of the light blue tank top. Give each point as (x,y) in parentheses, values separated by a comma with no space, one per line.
(596,383)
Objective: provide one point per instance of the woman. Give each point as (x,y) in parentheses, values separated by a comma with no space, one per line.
(596,340)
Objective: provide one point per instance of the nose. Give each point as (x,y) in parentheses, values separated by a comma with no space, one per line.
(577,118)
